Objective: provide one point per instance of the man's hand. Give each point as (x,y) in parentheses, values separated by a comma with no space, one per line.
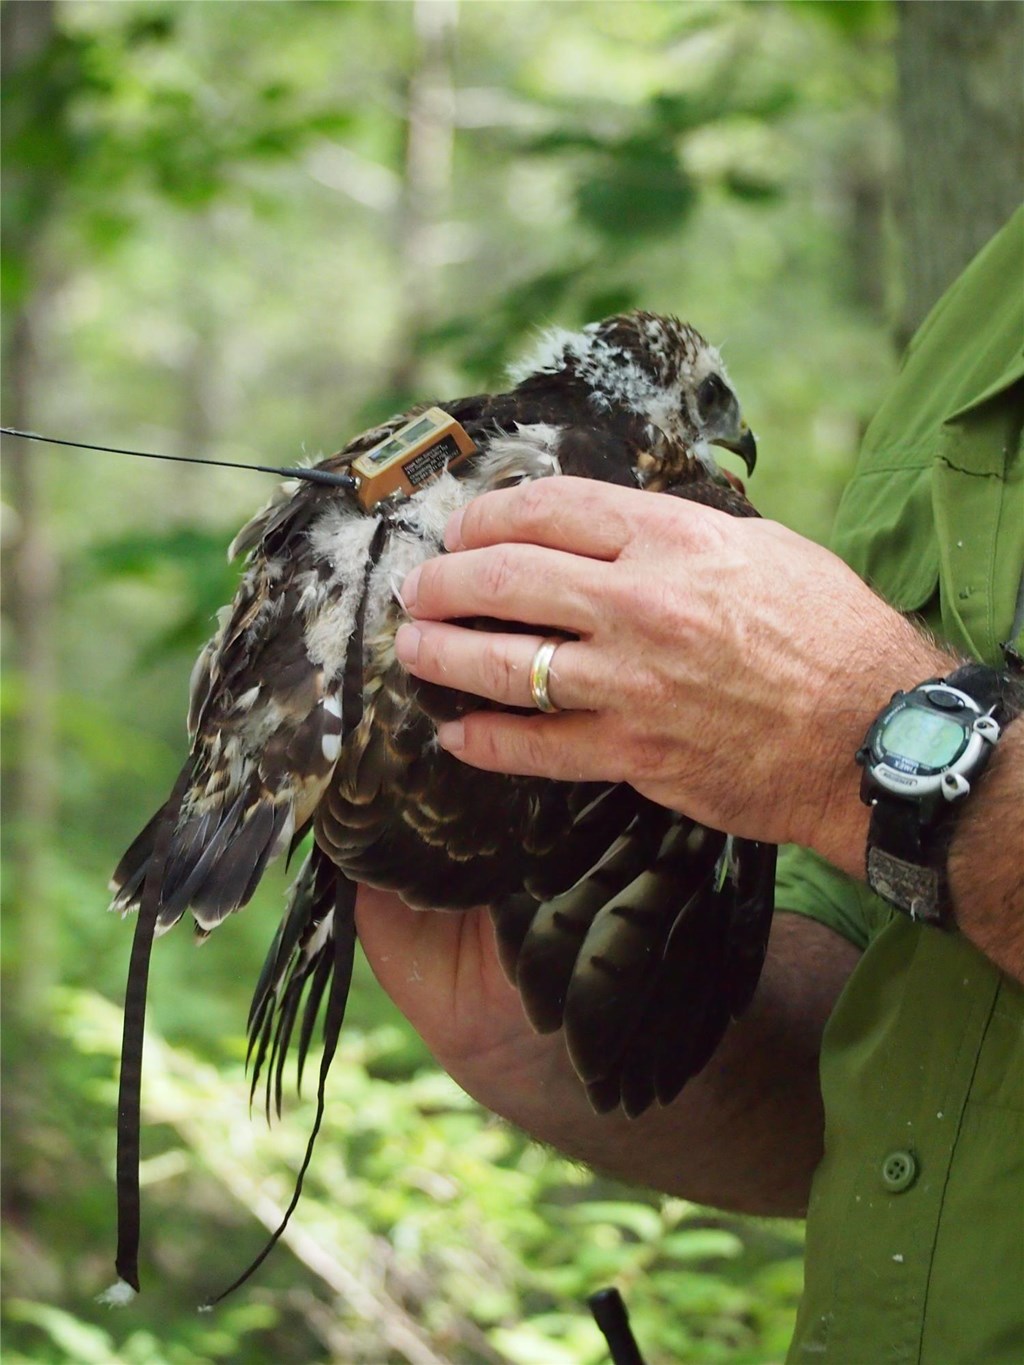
(723,666)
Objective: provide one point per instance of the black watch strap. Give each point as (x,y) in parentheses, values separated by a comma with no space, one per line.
(993,689)
(908,846)
(906,863)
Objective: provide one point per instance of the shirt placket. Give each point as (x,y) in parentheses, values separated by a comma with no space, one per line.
(914,1109)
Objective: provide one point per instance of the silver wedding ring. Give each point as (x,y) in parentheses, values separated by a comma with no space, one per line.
(540,676)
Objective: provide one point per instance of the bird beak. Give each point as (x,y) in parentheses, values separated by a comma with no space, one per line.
(743,445)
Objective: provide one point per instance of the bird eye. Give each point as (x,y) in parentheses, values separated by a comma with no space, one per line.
(711,394)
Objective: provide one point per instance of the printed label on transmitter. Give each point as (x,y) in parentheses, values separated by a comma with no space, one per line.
(429,463)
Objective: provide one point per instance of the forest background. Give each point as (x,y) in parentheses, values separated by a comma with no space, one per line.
(245,231)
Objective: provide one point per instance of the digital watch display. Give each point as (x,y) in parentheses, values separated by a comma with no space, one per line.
(922,739)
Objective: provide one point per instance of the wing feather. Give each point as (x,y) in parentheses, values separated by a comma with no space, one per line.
(265,721)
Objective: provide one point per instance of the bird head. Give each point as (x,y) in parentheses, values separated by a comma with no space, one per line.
(656,367)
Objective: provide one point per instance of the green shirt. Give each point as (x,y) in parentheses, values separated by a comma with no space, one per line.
(915,1232)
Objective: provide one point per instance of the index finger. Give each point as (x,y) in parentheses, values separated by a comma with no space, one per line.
(581,516)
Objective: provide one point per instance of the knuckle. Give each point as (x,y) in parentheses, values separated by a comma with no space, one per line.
(646,756)
(430,585)
(491,745)
(497,574)
(532,753)
(497,672)
(534,501)
(634,598)
(506,513)
(655,610)
(674,616)
(504,744)
(691,523)
(433,656)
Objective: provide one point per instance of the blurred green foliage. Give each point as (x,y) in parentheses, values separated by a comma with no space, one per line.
(207,231)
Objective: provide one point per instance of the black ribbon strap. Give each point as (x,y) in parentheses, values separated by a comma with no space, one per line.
(344,939)
(610,1315)
(129,1094)
(344,923)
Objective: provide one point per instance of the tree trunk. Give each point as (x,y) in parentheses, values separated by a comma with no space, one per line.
(30,757)
(961,113)
(426,189)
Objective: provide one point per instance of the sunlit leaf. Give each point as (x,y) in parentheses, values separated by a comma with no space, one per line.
(639,1219)
(700,1244)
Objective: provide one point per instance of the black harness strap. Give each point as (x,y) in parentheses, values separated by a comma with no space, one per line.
(344,936)
(129,1094)
(344,925)
(352,683)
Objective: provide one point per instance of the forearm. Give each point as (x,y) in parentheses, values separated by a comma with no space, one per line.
(745,1135)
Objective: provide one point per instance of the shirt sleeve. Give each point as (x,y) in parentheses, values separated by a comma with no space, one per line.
(807,885)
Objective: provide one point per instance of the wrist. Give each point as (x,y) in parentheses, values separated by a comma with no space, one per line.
(922,758)
(835,819)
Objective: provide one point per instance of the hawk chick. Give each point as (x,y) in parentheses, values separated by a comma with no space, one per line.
(636,930)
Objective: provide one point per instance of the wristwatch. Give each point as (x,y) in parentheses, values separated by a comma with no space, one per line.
(922,757)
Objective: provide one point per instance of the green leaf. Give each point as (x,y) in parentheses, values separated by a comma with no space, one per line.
(642,191)
(640,1219)
(606,302)
(80,1341)
(561,140)
(702,1244)
(754,189)
(852,17)
(157,27)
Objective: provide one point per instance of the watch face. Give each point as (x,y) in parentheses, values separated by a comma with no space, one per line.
(922,738)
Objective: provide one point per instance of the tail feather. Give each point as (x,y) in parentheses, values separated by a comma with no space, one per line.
(319,979)
(512,917)
(230,883)
(298,964)
(130,873)
(289,931)
(685,1013)
(195,856)
(217,856)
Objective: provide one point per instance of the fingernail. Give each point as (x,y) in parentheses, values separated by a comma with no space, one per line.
(453,531)
(407,644)
(410,588)
(452,735)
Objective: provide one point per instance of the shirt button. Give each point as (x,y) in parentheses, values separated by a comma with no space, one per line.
(899,1171)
